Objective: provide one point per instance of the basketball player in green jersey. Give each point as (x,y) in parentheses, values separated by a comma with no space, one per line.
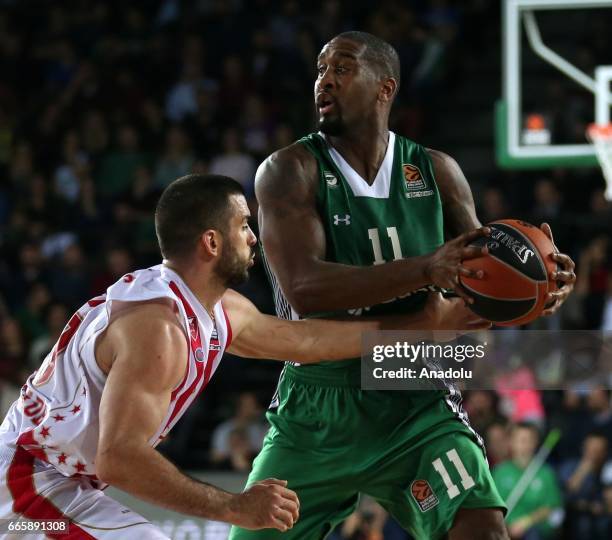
(353,219)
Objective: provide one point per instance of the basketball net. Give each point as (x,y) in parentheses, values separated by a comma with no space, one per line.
(601,137)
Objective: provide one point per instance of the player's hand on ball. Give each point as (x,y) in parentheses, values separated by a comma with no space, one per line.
(452,314)
(565,275)
(266,505)
(444,265)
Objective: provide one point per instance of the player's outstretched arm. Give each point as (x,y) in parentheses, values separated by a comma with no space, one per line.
(460,217)
(146,350)
(312,340)
(293,237)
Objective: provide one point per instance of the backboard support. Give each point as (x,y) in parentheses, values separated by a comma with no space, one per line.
(513,149)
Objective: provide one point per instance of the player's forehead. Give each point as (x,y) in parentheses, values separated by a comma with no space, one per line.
(341,48)
(239,207)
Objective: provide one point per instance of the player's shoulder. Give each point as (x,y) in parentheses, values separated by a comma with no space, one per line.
(439,158)
(151,320)
(292,157)
(139,328)
(292,168)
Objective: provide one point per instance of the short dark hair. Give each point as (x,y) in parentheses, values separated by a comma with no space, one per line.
(189,206)
(381,55)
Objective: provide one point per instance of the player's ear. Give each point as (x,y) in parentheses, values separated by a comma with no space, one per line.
(387,91)
(210,242)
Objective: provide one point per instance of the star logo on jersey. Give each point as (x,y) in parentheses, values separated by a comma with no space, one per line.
(423,495)
(346,220)
(416,186)
(331,180)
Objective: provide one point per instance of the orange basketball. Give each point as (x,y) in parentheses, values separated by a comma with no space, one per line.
(516,273)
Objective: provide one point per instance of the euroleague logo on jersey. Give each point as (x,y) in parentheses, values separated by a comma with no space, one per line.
(415,182)
(413,177)
(423,495)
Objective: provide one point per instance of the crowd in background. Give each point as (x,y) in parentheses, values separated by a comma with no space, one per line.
(103,104)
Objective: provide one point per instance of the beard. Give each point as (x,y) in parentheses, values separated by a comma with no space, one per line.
(233,270)
(332,126)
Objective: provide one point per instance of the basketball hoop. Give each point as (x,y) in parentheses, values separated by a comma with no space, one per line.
(601,137)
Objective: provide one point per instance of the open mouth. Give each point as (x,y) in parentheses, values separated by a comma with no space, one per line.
(325,104)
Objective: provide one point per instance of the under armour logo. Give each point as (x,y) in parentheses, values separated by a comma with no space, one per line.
(346,219)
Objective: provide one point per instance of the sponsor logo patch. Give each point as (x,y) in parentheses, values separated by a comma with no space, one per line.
(414,178)
(416,185)
(423,495)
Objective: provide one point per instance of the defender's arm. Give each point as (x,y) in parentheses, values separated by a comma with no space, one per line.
(314,340)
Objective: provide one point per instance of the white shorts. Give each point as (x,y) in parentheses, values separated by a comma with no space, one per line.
(35,490)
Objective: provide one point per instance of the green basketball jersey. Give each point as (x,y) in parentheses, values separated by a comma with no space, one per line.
(398,216)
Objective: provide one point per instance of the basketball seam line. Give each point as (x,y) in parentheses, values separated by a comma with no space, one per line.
(517,271)
(534,298)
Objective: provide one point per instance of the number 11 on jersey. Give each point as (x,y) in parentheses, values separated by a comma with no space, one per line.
(374,237)
(452,489)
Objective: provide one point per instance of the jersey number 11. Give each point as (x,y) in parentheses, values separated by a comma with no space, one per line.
(395,243)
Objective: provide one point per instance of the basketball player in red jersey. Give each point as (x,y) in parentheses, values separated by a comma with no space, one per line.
(130,362)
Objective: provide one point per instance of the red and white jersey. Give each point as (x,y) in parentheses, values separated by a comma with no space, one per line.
(56,416)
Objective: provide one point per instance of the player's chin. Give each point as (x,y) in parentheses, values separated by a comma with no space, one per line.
(331,125)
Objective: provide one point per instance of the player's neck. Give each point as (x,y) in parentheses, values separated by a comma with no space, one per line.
(202,282)
(364,150)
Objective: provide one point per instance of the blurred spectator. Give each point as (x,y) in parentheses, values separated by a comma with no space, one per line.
(182,99)
(600,419)
(119,262)
(31,315)
(241,436)
(256,126)
(69,280)
(494,205)
(537,512)
(69,173)
(13,371)
(234,162)
(57,315)
(521,401)
(571,420)
(117,169)
(482,408)
(547,201)
(581,479)
(592,280)
(497,442)
(177,159)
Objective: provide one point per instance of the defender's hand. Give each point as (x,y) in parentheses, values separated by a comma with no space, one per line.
(444,265)
(566,275)
(452,314)
(266,505)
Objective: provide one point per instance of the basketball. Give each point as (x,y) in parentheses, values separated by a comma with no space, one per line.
(516,270)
